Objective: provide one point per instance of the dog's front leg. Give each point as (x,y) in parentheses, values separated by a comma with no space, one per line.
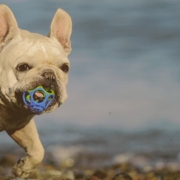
(28,138)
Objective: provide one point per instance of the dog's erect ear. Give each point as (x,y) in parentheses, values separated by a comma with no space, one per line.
(61,28)
(8,25)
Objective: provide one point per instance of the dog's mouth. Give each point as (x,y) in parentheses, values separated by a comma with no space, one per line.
(40,88)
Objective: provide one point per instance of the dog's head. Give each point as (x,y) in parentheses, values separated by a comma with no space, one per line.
(28,60)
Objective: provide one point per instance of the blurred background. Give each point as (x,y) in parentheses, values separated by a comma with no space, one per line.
(124,81)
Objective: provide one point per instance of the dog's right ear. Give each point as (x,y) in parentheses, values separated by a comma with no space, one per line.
(61,29)
(8,25)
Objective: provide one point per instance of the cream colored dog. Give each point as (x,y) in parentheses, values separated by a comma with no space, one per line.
(28,60)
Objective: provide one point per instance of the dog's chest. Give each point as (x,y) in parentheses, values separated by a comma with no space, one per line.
(10,119)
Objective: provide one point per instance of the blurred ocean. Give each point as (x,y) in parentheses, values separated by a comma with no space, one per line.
(124,83)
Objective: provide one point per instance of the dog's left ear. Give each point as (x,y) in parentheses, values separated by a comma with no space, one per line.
(61,28)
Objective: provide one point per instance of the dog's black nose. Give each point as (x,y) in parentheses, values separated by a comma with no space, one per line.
(49,75)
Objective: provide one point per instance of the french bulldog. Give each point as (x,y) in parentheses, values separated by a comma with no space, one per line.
(29,60)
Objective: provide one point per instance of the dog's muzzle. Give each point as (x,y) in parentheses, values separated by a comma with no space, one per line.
(38,99)
(40,93)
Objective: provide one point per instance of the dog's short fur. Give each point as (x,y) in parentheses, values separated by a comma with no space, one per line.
(28,60)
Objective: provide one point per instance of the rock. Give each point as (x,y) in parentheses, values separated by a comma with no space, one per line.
(93,178)
(122,176)
(101,174)
(79,174)
(68,174)
(58,178)
(171,176)
(54,172)
(58,175)
(7,161)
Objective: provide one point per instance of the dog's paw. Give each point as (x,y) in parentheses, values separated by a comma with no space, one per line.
(23,168)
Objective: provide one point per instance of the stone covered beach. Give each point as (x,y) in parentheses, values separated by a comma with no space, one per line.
(96,153)
(87,166)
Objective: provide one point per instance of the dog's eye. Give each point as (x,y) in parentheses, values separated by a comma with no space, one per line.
(23,67)
(65,68)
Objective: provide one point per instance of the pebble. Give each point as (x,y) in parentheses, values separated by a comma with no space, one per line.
(54,172)
(122,176)
(68,174)
(58,178)
(101,174)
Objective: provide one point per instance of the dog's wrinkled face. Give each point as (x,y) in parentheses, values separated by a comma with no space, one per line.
(42,64)
(28,60)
